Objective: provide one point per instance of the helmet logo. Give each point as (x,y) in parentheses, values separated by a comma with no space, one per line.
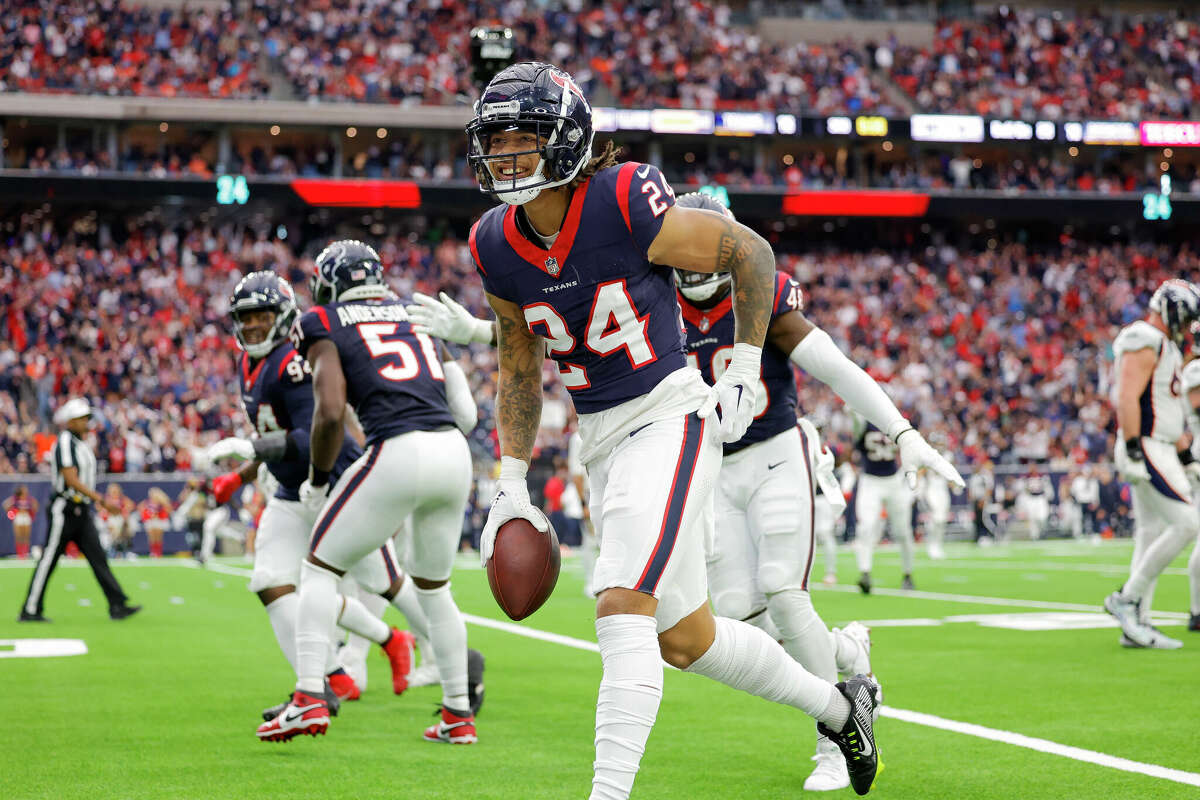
(565,81)
(552,265)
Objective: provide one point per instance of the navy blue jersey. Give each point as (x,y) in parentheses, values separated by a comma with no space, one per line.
(709,336)
(609,316)
(394,378)
(878,452)
(277,396)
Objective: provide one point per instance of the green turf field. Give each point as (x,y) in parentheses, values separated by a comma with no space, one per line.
(164,705)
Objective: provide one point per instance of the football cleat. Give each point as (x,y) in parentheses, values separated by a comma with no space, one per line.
(1194,622)
(1127,613)
(452,728)
(1160,641)
(27,617)
(331,700)
(907,583)
(1127,642)
(123,611)
(304,714)
(475,680)
(344,686)
(830,773)
(856,739)
(399,651)
(864,582)
(425,675)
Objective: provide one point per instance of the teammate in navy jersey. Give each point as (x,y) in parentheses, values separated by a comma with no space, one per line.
(572,263)
(362,349)
(882,488)
(276,389)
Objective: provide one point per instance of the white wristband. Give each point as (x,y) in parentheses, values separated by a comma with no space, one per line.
(514,469)
(746,358)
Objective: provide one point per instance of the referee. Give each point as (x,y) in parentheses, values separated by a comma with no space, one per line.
(70,514)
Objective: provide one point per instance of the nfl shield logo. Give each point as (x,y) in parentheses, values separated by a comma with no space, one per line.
(704,325)
(552,265)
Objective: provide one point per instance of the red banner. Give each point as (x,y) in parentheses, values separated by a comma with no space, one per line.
(856,204)
(353,193)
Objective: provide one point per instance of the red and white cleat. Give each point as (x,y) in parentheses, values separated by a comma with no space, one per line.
(399,650)
(452,729)
(344,686)
(305,714)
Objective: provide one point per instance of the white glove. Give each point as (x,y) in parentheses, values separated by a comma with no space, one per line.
(233,447)
(735,392)
(447,320)
(511,502)
(313,497)
(916,453)
(1131,470)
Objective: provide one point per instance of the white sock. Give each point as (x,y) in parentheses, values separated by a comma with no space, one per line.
(1155,559)
(282,613)
(448,635)
(1194,580)
(353,657)
(845,650)
(745,658)
(315,622)
(802,633)
(356,618)
(630,693)
(904,538)
(406,603)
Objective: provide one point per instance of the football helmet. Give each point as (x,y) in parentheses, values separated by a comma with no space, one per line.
(260,291)
(1177,302)
(700,287)
(544,100)
(347,270)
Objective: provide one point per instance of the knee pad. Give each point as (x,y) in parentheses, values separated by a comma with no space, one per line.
(737,603)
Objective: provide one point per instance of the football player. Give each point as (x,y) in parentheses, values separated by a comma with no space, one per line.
(362,349)
(1191,391)
(1151,454)
(881,488)
(277,398)
(573,262)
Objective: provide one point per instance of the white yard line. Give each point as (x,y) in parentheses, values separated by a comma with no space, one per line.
(915,717)
(1104,569)
(982,600)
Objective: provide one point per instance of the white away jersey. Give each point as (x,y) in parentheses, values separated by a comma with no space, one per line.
(1162,402)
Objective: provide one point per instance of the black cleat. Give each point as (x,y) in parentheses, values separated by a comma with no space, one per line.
(330,697)
(27,617)
(1194,622)
(475,680)
(857,739)
(907,584)
(864,582)
(121,612)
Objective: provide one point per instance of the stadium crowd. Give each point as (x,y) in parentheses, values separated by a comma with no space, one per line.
(1008,63)
(1006,350)
(1028,63)
(402,157)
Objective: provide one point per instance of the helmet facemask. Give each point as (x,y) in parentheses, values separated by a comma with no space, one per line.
(553,133)
(701,287)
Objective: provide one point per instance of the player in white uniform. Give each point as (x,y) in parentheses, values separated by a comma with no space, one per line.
(881,487)
(572,265)
(1150,420)
(1035,495)
(934,492)
(1191,390)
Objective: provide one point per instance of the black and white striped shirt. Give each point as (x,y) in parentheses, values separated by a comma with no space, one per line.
(71,451)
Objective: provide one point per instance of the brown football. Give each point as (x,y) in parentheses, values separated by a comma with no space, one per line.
(523,568)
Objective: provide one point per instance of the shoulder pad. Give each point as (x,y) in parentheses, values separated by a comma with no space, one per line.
(1140,335)
(1191,375)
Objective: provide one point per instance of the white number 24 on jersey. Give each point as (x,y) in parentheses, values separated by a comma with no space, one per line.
(612,326)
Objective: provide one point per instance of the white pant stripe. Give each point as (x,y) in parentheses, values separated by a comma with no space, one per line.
(42,572)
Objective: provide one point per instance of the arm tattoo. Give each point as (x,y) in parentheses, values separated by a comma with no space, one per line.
(519,395)
(748,257)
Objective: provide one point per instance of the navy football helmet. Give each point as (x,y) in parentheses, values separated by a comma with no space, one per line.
(347,270)
(701,287)
(263,291)
(1177,302)
(541,99)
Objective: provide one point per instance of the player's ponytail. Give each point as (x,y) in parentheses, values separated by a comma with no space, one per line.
(610,156)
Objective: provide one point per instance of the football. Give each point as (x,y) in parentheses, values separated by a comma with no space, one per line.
(523,568)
